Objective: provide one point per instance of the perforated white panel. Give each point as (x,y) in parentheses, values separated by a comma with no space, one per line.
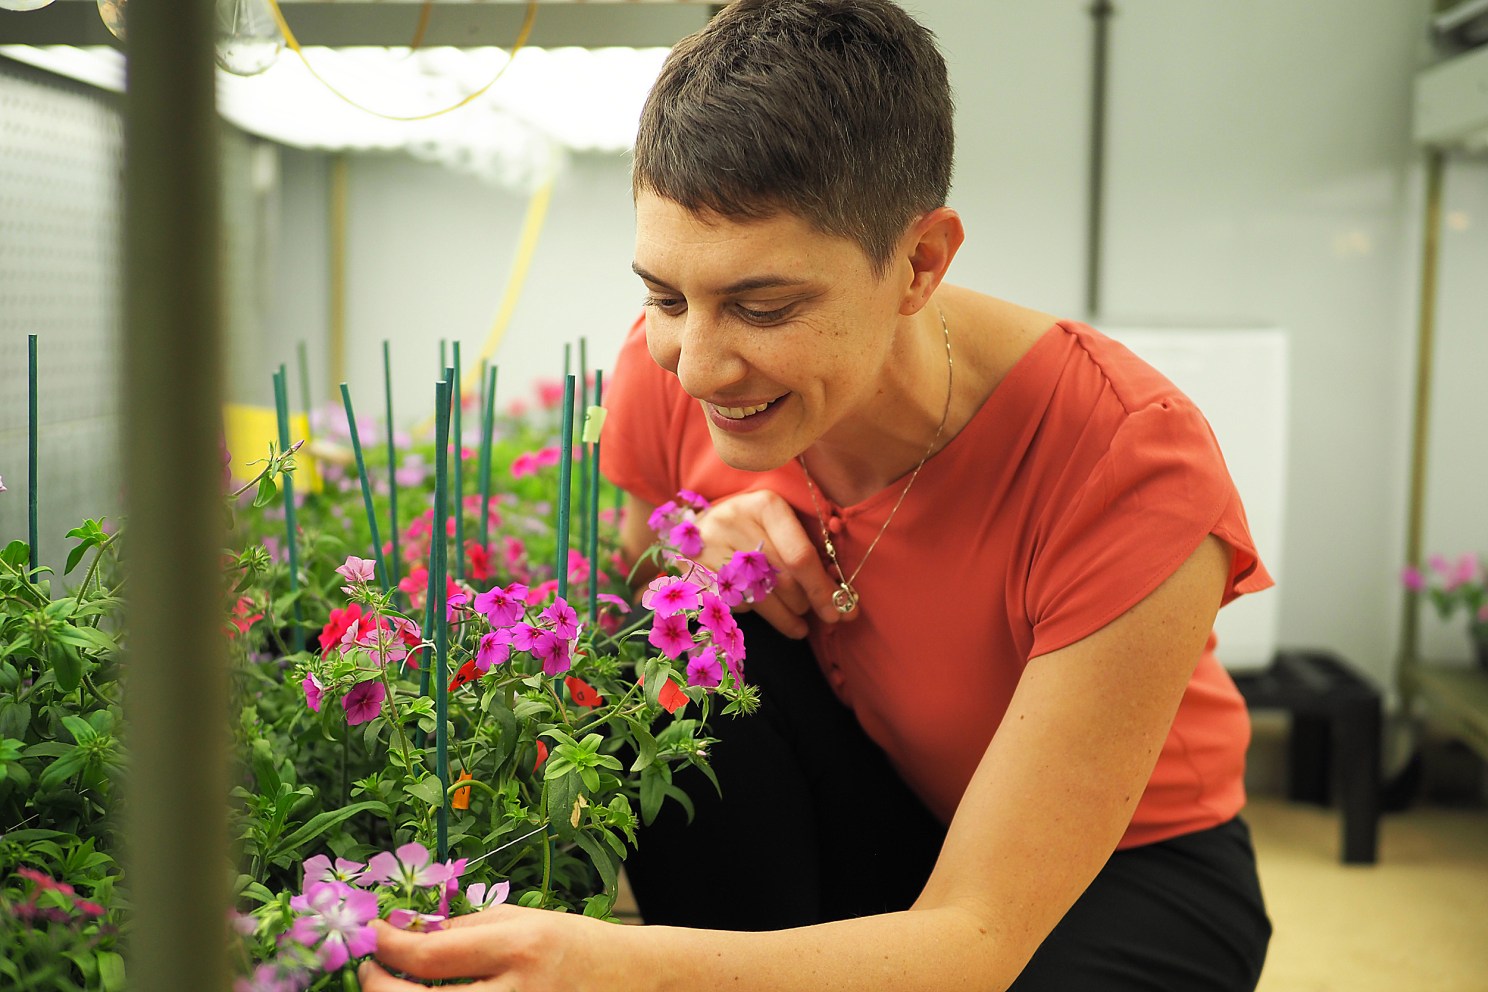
(60,146)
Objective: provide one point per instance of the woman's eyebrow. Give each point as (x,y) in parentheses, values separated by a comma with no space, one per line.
(745,285)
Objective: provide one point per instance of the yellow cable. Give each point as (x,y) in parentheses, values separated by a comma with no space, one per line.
(294,46)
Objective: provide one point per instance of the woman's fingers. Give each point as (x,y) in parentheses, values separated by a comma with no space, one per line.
(460,952)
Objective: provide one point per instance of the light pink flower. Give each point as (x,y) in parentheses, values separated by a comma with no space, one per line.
(313,691)
(409,867)
(338,918)
(357,570)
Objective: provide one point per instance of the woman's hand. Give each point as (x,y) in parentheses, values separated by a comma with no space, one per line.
(744,522)
(506,948)
(761,518)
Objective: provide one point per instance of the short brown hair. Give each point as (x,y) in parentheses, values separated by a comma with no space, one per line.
(838,111)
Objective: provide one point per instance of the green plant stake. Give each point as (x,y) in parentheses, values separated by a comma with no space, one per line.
(31,448)
(392,449)
(281,407)
(488,429)
(583,448)
(302,355)
(436,599)
(565,483)
(457,402)
(593,424)
(361,464)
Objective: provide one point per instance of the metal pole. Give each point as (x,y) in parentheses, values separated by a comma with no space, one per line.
(336,264)
(1101,12)
(175,666)
(1425,349)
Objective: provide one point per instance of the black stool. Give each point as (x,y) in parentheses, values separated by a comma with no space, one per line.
(1335,733)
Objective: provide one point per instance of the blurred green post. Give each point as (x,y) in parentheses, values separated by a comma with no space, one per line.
(175,665)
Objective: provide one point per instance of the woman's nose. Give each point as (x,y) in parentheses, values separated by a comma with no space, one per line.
(696,349)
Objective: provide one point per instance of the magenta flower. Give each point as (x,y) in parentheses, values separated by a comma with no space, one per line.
(618,602)
(704,669)
(564,618)
(454,599)
(313,691)
(320,869)
(553,651)
(692,500)
(670,635)
(272,976)
(714,614)
(732,585)
(687,539)
(664,517)
(669,596)
(493,650)
(1413,579)
(337,917)
(731,642)
(502,607)
(364,702)
(409,867)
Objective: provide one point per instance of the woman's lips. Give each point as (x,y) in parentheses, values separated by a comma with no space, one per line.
(742,419)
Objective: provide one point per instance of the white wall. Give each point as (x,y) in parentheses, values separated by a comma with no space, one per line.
(1259,170)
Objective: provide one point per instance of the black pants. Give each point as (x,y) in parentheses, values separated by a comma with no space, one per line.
(815,825)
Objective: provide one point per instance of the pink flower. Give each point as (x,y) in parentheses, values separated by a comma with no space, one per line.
(338,918)
(480,896)
(564,619)
(502,607)
(364,702)
(618,602)
(667,596)
(494,649)
(313,691)
(411,866)
(715,615)
(548,457)
(1412,578)
(670,635)
(686,538)
(357,571)
(524,464)
(407,919)
(320,869)
(541,591)
(549,393)
(704,669)
(553,651)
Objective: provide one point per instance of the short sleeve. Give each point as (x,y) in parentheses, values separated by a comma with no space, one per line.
(1109,538)
(634,451)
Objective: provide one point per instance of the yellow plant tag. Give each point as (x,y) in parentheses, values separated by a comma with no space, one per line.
(594,420)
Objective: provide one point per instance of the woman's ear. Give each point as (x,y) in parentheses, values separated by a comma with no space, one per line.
(930,243)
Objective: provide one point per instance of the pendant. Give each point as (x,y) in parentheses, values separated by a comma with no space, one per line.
(845,599)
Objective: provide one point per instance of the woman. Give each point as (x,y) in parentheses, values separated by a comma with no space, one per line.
(995,748)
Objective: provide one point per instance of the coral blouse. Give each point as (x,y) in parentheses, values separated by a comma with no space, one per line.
(1083,482)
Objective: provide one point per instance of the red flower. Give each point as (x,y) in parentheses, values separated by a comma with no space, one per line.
(542,755)
(468,673)
(336,627)
(480,561)
(241,618)
(583,693)
(672,697)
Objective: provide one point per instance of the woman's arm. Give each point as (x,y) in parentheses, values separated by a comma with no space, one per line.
(1049,801)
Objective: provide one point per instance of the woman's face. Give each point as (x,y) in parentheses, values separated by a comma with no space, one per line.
(780,331)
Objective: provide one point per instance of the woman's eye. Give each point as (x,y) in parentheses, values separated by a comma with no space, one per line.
(764,316)
(668,305)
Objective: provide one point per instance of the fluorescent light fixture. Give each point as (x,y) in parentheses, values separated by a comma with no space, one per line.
(546,103)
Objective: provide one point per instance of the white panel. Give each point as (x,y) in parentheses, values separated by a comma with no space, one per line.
(1238,378)
(59,260)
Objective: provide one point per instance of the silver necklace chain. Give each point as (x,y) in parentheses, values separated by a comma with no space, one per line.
(846,597)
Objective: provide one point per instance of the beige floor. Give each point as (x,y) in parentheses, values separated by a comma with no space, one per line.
(1415,922)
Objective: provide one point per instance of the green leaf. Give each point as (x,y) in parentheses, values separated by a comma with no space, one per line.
(81,730)
(16,554)
(645,747)
(89,638)
(266,491)
(426,789)
(63,769)
(75,555)
(321,823)
(604,860)
(111,971)
(654,780)
(67,664)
